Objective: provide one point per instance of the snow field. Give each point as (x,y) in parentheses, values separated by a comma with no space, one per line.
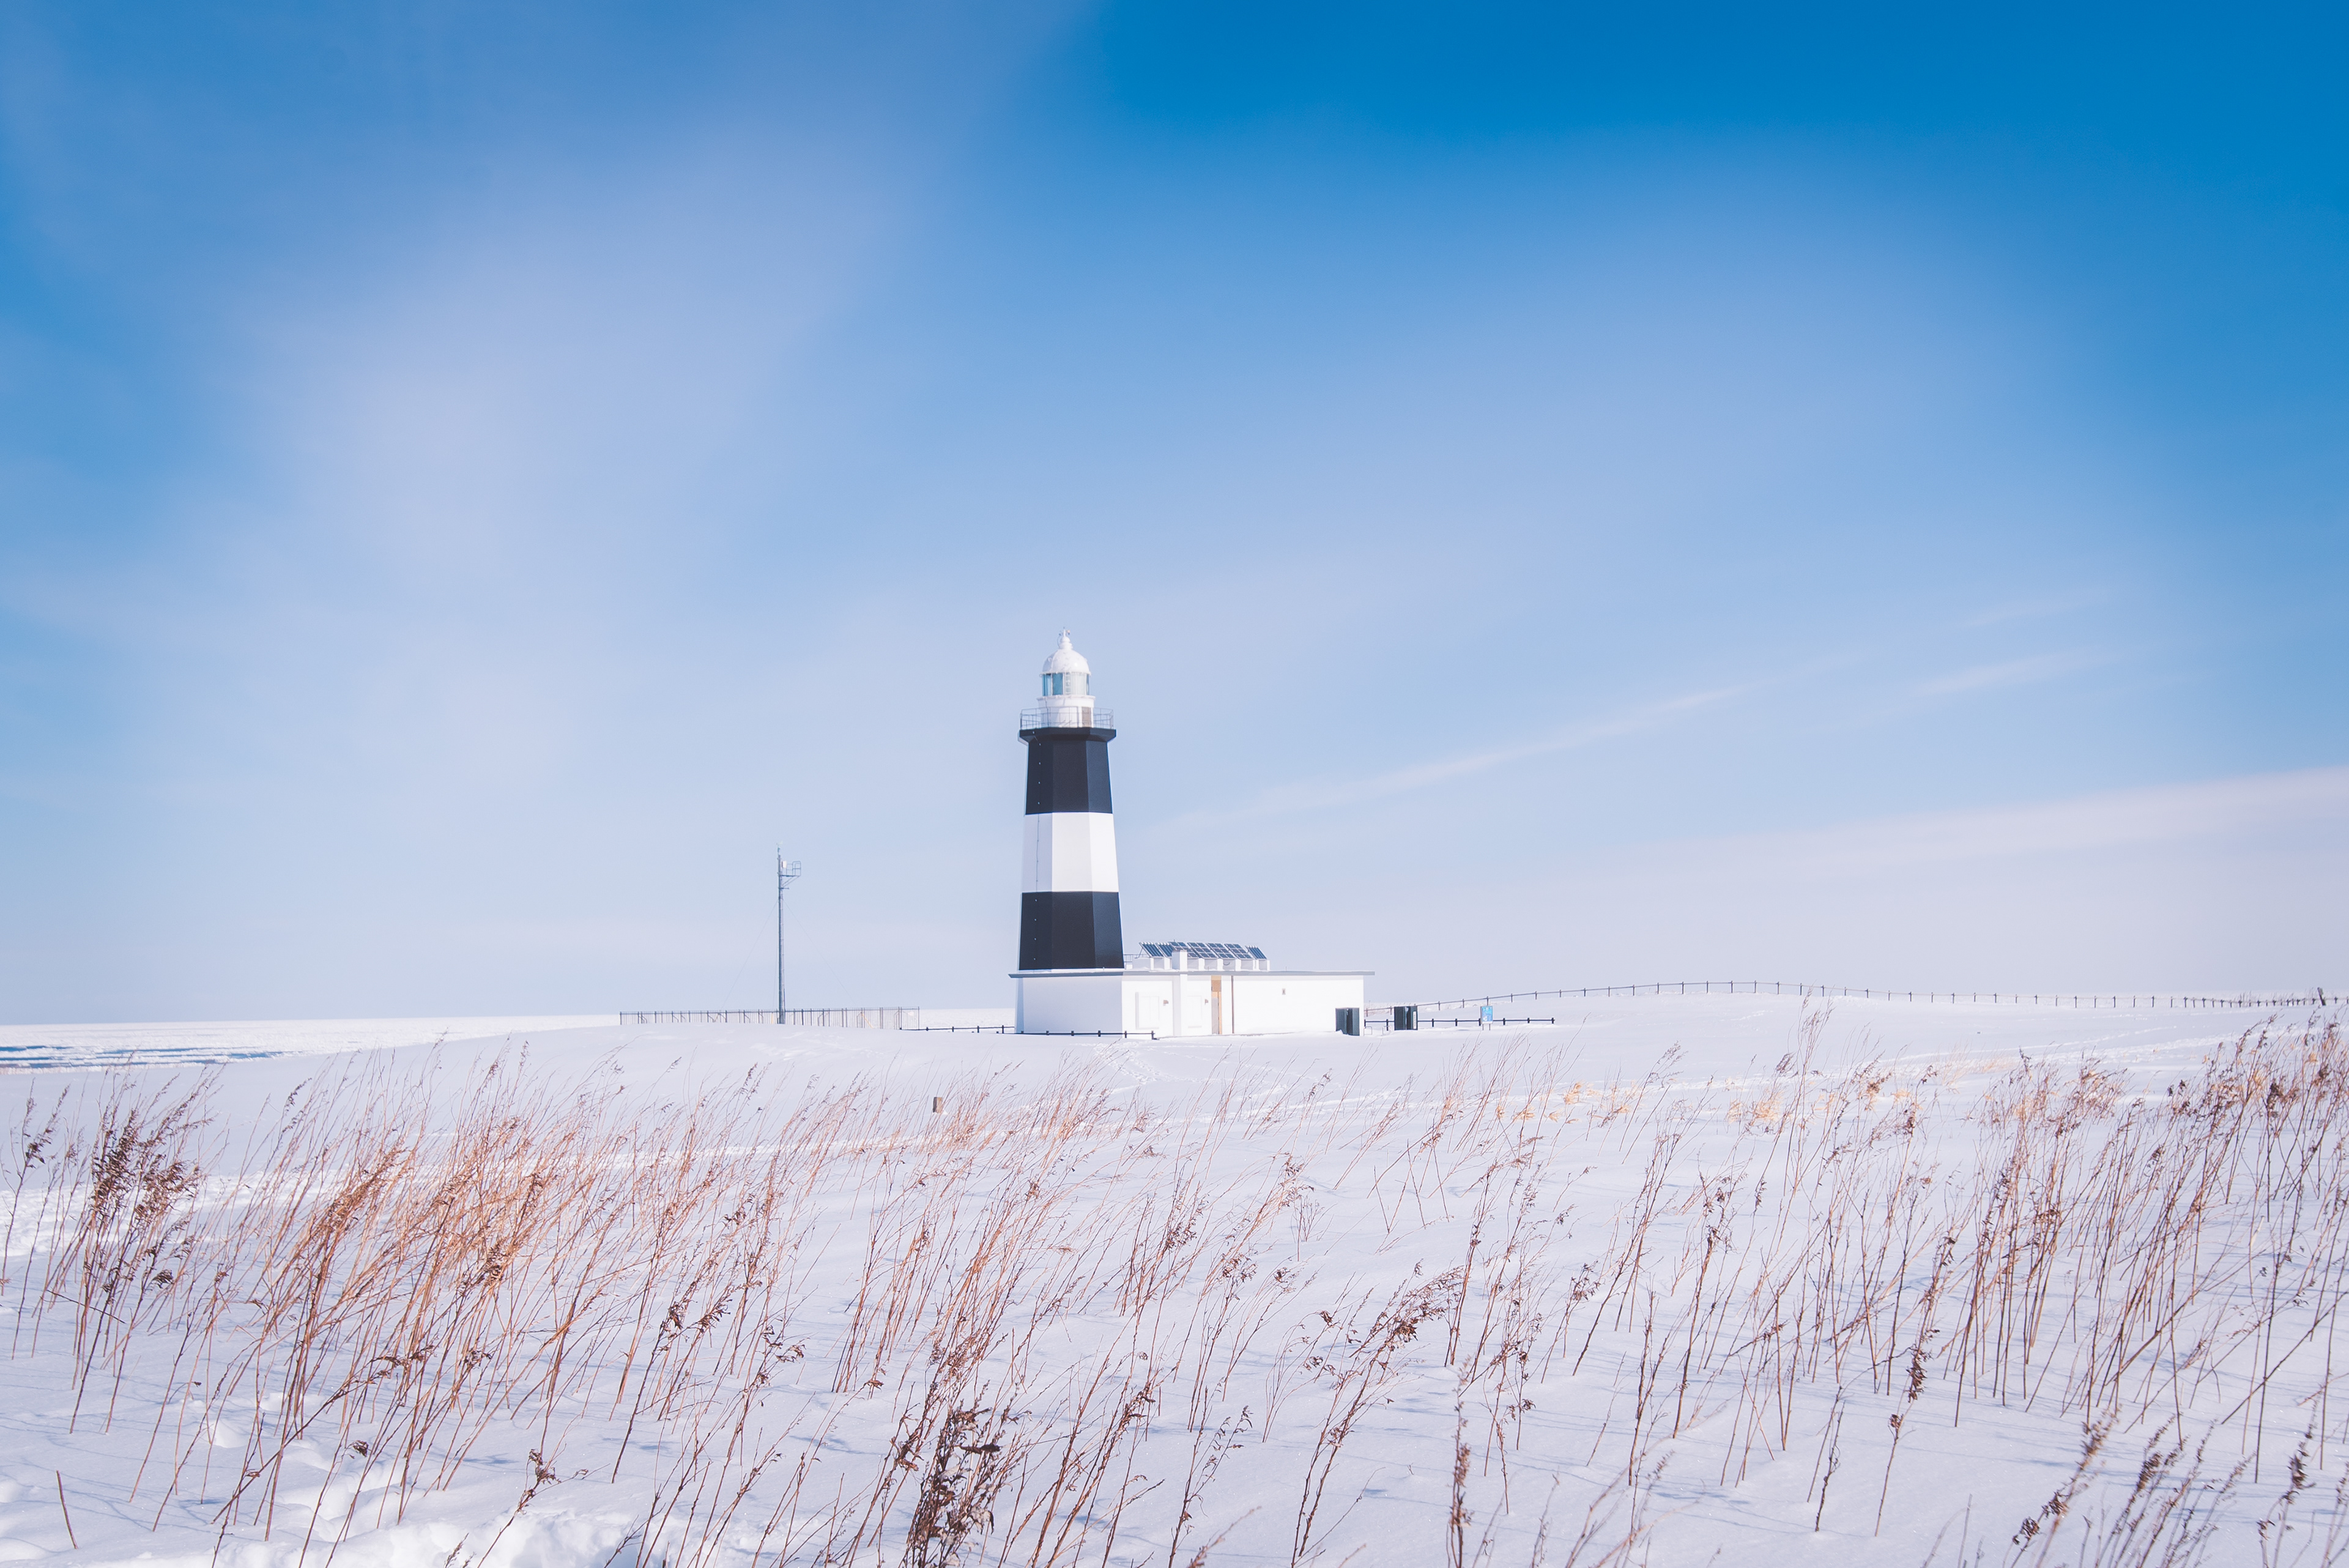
(52,1046)
(1695,1276)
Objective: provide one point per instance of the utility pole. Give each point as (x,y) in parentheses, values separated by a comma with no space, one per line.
(786,873)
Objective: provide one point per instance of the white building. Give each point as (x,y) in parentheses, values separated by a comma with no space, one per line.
(1175,988)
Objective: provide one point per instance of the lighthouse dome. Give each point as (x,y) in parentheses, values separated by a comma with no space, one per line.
(1067,675)
(1066,661)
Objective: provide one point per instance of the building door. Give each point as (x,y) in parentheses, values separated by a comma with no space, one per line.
(1195,1016)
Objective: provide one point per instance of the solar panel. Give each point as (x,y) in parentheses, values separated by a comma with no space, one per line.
(1203,949)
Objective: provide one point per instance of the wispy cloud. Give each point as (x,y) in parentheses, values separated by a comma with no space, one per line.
(2216,885)
(2031,609)
(2313,799)
(2013,672)
(1324,795)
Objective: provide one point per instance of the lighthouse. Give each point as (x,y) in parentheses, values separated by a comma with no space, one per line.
(1068,889)
(1075,976)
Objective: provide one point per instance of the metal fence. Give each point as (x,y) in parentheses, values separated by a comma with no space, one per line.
(818,1017)
(1795,988)
(1066,718)
(911,1017)
(908,1018)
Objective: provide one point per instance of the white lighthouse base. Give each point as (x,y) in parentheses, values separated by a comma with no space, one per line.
(1178,1003)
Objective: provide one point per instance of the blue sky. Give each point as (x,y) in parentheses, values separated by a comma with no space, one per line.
(1557,495)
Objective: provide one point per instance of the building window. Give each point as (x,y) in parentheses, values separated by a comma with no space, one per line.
(1071,684)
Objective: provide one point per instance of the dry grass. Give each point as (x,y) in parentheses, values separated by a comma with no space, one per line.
(810,1326)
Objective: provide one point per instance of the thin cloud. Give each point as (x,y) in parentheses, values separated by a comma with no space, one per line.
(1324,794)
(2315,798)
(2014,672)
(2031,609)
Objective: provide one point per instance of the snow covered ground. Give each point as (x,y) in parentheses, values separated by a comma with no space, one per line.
(1682,1279)
(24,1045)
(122,1045)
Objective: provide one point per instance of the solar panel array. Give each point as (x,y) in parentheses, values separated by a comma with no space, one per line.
(1203,950)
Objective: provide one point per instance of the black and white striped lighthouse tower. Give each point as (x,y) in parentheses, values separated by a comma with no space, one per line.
(1068,890)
